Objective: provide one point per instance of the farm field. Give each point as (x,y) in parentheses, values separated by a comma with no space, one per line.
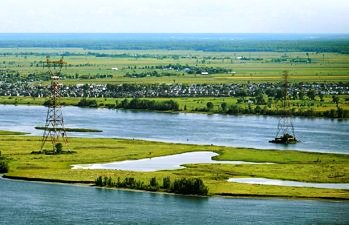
(95,66)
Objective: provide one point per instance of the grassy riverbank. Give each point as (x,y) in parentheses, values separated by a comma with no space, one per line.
(7,132)
(81,130)
(289,165)
(222,105)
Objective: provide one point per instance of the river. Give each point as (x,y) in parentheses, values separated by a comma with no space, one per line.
(315,134)
(41,203)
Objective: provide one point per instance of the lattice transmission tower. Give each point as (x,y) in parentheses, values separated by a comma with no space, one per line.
(54,130)
(285,129)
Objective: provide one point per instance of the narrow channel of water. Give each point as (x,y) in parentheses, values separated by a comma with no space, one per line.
(322,135)
(170,162)
(39,203)
(266,181)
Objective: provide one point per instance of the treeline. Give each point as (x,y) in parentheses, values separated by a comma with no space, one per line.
(134,103)
(3,164)
(137,103)
(236,109)
(240,44)
(153,73)
(192,69)
(186,186)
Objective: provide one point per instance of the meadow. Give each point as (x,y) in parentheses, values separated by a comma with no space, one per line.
(289,165)
(95,66)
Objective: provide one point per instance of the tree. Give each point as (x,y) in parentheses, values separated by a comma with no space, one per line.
(224,106)
(335,99)
(301,95)
(58,148)
(153,184)
(311,94)
(166,183)
(321,95)
(209,106)
(3,167)
(260,99)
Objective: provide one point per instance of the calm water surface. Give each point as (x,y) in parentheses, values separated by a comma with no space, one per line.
(323,135)
(38,203)
(169,162)
(266,181)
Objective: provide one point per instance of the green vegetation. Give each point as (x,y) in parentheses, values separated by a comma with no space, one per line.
(324,106)
(156,66)
(3,164)
(7,132)
(85,66)
(205,43)
(190,186)
(136,103)
(71,129)
(289,165)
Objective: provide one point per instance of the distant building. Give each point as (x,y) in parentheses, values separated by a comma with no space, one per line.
(114,68)
(204,73)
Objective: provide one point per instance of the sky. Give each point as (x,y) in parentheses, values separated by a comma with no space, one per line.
(174,16)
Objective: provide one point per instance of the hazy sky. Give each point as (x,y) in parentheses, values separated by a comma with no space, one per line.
(175,16)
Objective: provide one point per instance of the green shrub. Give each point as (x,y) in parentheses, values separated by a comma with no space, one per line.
(153,183)
(3,166)
(166,183)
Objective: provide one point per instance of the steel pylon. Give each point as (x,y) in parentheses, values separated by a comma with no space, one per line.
(54,130)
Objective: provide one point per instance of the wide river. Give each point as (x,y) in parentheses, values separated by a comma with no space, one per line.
(322,135)
(39,203)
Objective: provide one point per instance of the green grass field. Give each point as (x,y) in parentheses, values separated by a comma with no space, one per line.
(324,67)
(289,165)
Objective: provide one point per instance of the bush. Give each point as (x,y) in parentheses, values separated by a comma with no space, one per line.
(3,166)
(166,183)
(209,106)
(87,103)
(154,186)
(58,148)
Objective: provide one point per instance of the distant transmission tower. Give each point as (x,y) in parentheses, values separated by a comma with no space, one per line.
(285,129)
(54,128)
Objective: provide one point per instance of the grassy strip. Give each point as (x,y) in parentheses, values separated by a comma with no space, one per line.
(291,165)
(7,132)
(71,129)
(308,108)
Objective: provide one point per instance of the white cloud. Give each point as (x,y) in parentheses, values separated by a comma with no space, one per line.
(270,16)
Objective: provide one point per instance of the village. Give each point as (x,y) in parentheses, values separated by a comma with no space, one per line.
(296,90)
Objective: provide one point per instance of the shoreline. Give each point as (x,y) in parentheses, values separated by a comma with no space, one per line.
(173,111)
(224,195)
